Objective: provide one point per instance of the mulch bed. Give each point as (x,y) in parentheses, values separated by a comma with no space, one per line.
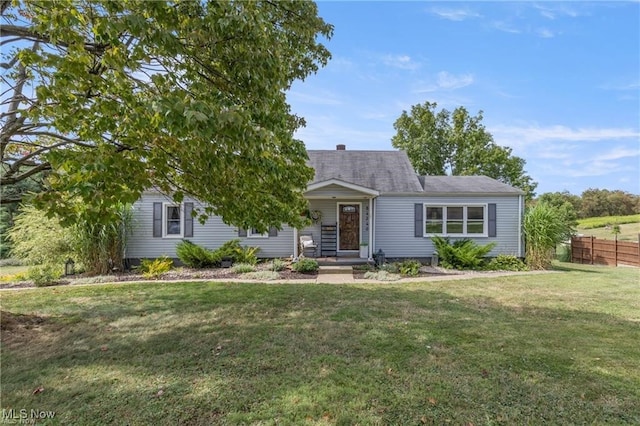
(173,275)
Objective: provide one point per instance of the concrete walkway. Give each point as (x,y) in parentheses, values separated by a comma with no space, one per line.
(335,274)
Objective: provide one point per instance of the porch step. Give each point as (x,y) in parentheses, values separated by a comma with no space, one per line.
(335,269)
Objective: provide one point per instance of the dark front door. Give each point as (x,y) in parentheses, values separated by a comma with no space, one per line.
(349,232)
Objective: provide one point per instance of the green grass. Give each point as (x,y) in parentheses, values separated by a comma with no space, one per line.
(557,348)
(628,232)
(599,222)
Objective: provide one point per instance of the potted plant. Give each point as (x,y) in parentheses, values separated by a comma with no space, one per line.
(364,250)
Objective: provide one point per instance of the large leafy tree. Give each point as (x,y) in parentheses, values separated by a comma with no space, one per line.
(456,143)
(115,97)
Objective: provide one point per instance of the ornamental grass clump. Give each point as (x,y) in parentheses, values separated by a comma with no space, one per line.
(544,227)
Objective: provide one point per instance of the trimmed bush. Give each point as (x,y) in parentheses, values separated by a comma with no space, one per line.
(243,268)
(153,268)
(44,275)
(392,268)
(262,275)
(195,256)
(381,276)
(409,267)
(505,262)
(305,265)
(462,254)
(278,265)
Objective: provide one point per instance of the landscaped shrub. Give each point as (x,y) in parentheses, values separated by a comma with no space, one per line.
(462,254)
(38,239)
(195,256)
(262,275)
(504,262)
(278,265)
(238,253)
(409,267)
(392,268)
(44,275)
(153,268)
(381,276)
(243,268)
(563,252)
(305,265)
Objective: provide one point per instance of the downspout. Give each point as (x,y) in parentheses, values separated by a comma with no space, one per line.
(520,210)
(295,243)
(371,222)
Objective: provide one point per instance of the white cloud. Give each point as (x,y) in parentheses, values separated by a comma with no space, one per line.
(454,14)
(531,134)
(505,27)
(553,11)
(447,81)
(400,61)
(545,33)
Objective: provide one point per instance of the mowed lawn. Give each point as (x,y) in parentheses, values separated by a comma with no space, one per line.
(553,348)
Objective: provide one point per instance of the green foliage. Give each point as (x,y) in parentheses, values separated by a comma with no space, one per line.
(238,253)
(305,265)
(603,202)
(38,239)
(461,254)
(544,227)
(506,262)
(243,268)
(45,275)
(261,275)
(213,98)
(100,246)
(381,276)
(153,268)
(195,256)
(278,265)
(409,267)
(599,222)
(563,252)
(441,143)
(392,268)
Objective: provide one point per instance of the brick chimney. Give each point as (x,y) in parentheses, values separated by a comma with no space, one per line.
(341,147)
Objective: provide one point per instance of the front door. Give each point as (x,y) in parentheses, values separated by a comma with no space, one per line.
(349,228)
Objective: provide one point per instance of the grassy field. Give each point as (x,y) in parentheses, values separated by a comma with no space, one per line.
(556,348)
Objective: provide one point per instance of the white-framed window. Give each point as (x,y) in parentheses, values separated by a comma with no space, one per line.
(253,233)
(172,221)
(468,220)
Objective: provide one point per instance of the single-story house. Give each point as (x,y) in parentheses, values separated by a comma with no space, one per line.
(369,200)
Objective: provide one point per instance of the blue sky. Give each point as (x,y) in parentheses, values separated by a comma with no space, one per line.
(559,83)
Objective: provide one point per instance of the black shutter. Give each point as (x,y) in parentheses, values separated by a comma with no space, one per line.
(188,219)
(492,220)
(242,232)
(273,231)
(419,222)
(157,220)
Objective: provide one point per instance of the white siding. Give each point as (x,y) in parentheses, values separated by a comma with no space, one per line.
(211,235)
(395,225)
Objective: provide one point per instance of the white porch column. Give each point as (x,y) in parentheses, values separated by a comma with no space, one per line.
(295,243)
(370,228)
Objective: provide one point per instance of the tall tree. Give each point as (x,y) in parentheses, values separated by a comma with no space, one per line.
(184,96)
(456,143)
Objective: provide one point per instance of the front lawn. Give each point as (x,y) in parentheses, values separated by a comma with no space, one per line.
(558,348)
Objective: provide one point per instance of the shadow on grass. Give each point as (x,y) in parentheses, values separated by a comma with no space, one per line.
(204,353)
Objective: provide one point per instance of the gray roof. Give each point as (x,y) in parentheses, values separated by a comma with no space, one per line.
(384,171)
(466,185)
